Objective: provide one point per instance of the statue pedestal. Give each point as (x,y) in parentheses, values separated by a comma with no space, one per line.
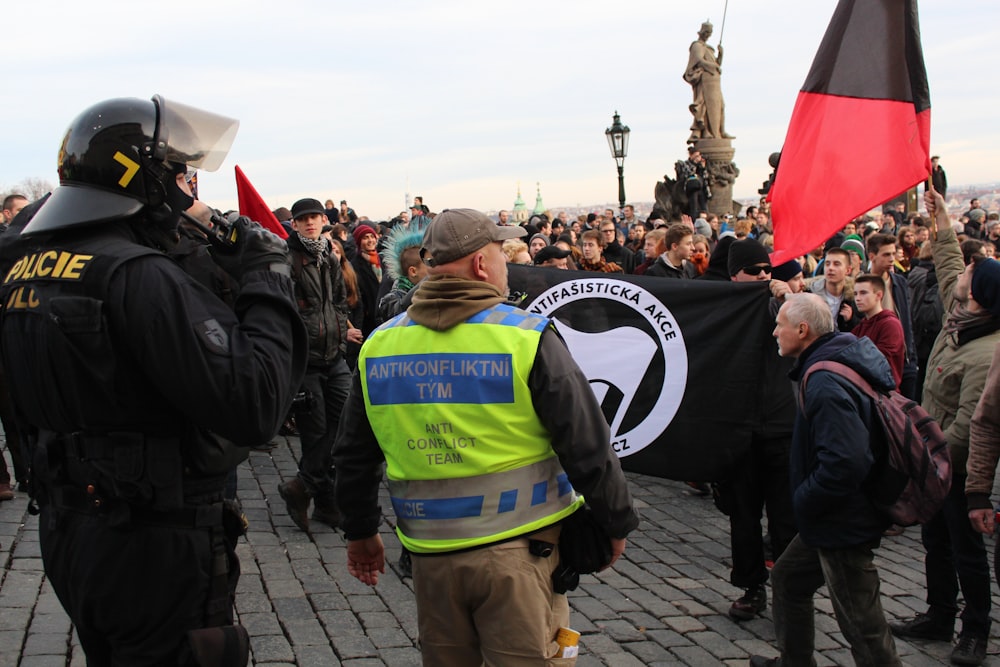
(722,171)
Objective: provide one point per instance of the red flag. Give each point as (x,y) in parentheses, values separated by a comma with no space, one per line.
(252,205)
(860,130)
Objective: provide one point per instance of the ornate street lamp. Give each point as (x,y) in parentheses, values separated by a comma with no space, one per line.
(617,136)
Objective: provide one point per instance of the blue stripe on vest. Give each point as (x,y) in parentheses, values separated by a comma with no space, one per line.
(440,378)
(442,508)
(471,506)
(508,501)
(539,493)
(564,486)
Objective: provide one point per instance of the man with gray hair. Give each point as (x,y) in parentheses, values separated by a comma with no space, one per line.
(831,457)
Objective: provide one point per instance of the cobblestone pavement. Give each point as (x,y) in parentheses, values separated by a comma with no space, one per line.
(665,602)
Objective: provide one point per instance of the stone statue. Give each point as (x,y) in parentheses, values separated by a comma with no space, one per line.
(704,74)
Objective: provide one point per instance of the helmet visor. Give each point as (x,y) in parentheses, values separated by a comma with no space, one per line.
(197,138)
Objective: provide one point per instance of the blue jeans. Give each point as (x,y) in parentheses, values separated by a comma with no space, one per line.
(853,584)
(318,422)
(956,557)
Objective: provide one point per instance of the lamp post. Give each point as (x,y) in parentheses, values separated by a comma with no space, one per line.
(617,136)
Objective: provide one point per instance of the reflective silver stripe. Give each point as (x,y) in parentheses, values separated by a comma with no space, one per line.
(495,317)
(472,507)
(530,322)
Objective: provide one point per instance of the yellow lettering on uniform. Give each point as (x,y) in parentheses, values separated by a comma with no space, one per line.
(29,270)
(76,264)
(61,264)
(44,267)
(131,167)
(14,270)
(19,301)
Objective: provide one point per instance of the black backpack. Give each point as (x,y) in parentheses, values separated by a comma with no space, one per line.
(912,475)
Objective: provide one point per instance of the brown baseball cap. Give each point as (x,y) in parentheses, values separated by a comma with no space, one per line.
(457,232)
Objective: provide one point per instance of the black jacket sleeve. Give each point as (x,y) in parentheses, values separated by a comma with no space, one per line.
(233,370)
(359,463)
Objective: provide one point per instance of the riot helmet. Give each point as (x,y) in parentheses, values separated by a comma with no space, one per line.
(122,156)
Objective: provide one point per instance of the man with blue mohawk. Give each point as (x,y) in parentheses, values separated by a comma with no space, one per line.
(401,261)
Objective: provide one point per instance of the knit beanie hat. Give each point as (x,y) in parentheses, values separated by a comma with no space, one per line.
(977,215)
(786,271)
(746,253)
(360,232)
(539,236)
(986,285)
(853,243)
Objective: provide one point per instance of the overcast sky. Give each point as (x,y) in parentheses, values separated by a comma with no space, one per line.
(460,101)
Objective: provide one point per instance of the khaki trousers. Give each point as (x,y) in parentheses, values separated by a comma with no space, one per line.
(492,606)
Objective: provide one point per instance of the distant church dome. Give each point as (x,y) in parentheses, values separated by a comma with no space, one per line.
(539,206)
(520,211)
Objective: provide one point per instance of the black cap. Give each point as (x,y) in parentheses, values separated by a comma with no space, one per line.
(551,252)
(304,207)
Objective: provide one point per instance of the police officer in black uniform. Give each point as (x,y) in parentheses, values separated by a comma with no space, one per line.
(133,380)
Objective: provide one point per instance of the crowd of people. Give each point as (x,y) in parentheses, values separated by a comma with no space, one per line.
(887,279)
(187,336)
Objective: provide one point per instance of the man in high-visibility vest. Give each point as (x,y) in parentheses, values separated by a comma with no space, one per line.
(451,396)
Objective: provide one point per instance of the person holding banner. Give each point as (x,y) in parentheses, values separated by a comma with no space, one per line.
(480,481)
(760,482)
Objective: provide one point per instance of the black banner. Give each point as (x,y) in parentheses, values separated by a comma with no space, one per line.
(675,364)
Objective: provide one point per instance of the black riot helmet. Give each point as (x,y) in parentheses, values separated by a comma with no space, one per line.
(122,156)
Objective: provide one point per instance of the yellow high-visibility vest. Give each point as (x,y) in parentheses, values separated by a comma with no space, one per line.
(468,461)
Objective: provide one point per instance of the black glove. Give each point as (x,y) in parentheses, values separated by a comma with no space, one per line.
(252,248)
(584,547)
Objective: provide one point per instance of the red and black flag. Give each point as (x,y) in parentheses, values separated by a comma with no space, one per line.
(860,130)
(252,205)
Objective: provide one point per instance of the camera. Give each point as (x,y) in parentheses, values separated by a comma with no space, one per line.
(222,233)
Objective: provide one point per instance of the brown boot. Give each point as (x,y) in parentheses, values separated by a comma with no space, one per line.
(325,508)
(296,498)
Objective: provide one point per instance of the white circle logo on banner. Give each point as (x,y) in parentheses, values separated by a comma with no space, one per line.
(637,371)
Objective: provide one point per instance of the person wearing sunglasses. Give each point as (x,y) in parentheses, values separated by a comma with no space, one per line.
(759,480)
